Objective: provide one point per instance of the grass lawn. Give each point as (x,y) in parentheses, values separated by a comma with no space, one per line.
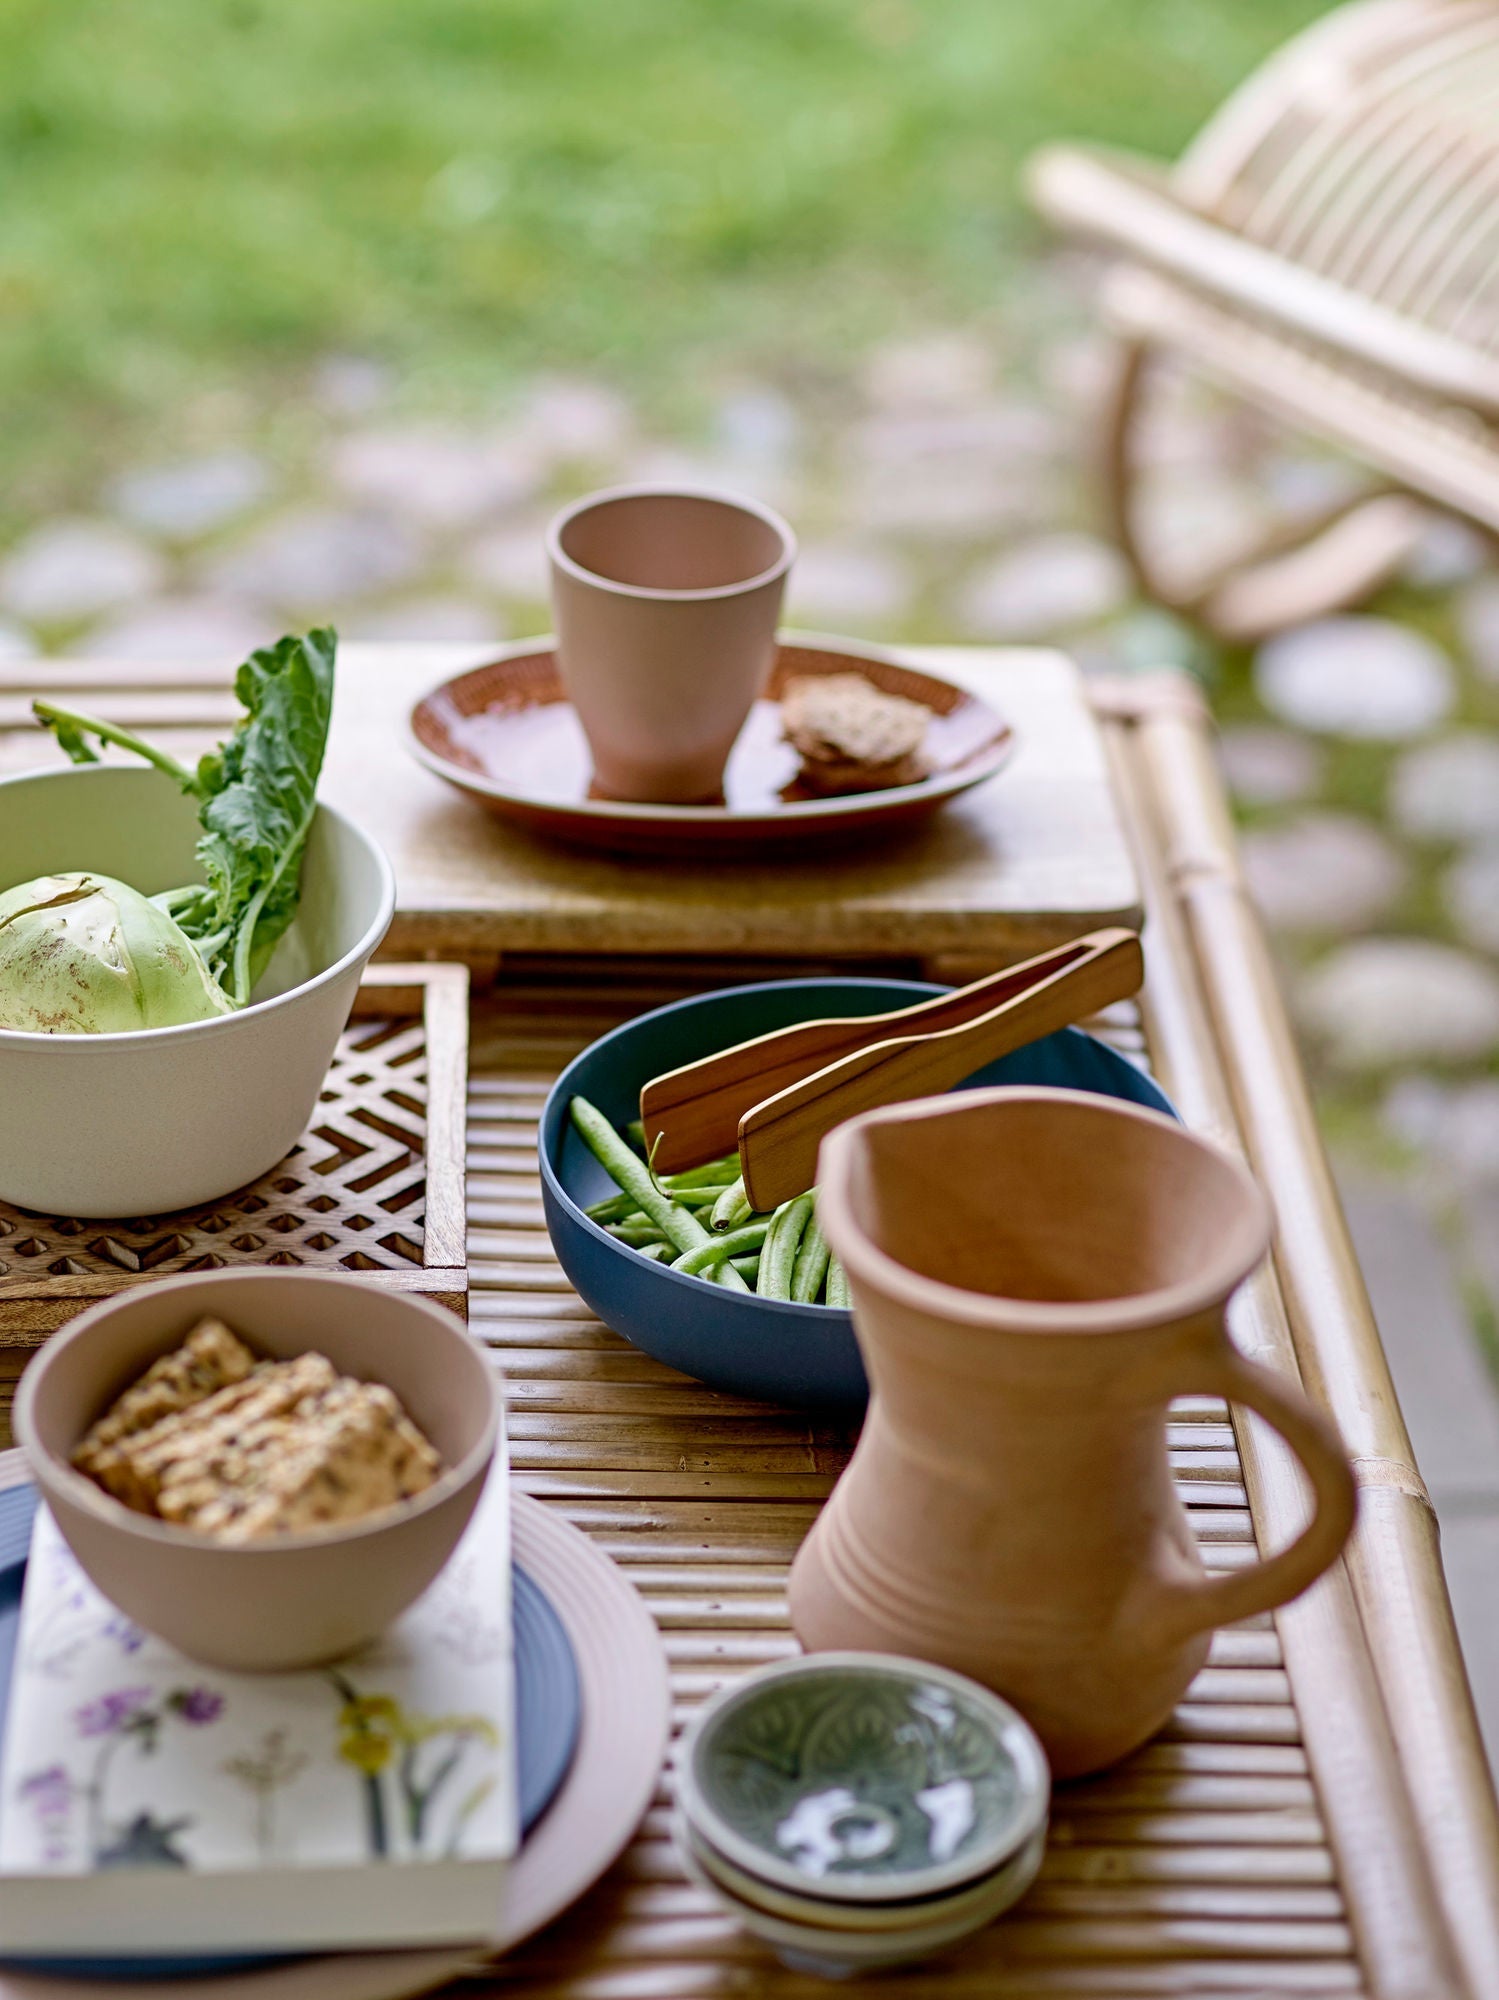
(202,196)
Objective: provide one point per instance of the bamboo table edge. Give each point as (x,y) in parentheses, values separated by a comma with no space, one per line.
(1160,739)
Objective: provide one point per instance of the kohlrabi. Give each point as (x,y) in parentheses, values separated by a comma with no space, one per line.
(256,797)
(86,955)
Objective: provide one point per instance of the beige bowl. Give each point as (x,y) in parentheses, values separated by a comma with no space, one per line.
(139,1124)
(297,1600)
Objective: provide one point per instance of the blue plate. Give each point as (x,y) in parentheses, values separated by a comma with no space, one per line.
(766,1348)
(548,1710)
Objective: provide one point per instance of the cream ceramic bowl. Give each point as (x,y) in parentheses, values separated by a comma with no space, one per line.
(137,1124)
(293,1600)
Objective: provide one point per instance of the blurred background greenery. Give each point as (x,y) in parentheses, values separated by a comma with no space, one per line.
(209,194)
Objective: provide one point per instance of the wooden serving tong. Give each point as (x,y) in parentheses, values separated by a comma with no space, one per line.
(775,1096)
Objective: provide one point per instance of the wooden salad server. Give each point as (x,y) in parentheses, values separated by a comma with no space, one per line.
(692,1114)
(779,1137)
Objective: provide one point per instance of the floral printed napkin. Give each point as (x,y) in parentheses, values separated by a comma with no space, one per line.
(124,1760)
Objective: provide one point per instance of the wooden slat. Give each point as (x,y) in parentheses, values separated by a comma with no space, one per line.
(973,1975)
(447,1080)
(1052,1898)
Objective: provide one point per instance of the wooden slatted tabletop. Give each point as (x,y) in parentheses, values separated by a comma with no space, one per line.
(1318,1817)
(1207,1850)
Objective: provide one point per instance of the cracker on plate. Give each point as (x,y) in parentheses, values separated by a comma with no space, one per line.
(853,737)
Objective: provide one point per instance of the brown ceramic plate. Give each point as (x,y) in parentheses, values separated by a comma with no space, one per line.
(506,734)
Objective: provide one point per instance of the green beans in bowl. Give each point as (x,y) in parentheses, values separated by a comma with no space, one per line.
(775,1348)
(701,1222)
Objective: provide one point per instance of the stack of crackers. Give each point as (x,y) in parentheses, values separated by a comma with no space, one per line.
(212,1439)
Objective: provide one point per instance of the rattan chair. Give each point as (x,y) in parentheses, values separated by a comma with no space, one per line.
(1327,248)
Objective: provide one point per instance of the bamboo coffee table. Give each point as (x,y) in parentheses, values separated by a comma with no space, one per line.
(1318,1817)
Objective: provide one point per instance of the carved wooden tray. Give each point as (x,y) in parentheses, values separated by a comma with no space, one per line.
(375,1185)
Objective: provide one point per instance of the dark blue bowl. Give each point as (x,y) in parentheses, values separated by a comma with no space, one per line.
(765,1348)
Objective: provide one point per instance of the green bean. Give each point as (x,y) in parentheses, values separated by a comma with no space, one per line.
(719,1250)
(637,1234)
(634,1177)
(837,1292)
(618,1208)
(811,1264)
(715,1173)
(731,1208)
(696,1197)
(655,1251)
(636,1133)
(778,1258)
(747,1267)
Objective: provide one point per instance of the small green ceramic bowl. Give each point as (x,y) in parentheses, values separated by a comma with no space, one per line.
(837,1952)
(975,1903)
(863,1778)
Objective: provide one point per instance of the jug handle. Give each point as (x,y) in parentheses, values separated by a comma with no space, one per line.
(1224,1600)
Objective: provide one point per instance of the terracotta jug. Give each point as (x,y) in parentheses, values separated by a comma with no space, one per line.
(1035,1274)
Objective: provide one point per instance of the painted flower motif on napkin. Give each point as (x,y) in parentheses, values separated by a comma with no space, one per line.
(120,1753)
(71,1805)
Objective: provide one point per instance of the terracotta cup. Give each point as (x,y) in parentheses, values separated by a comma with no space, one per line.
(666,603)
(1035,1275)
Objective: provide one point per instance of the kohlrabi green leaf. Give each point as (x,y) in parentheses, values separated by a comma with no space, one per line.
(257,794)
(73,730)
(260,792)
(86,955)
(73,740)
